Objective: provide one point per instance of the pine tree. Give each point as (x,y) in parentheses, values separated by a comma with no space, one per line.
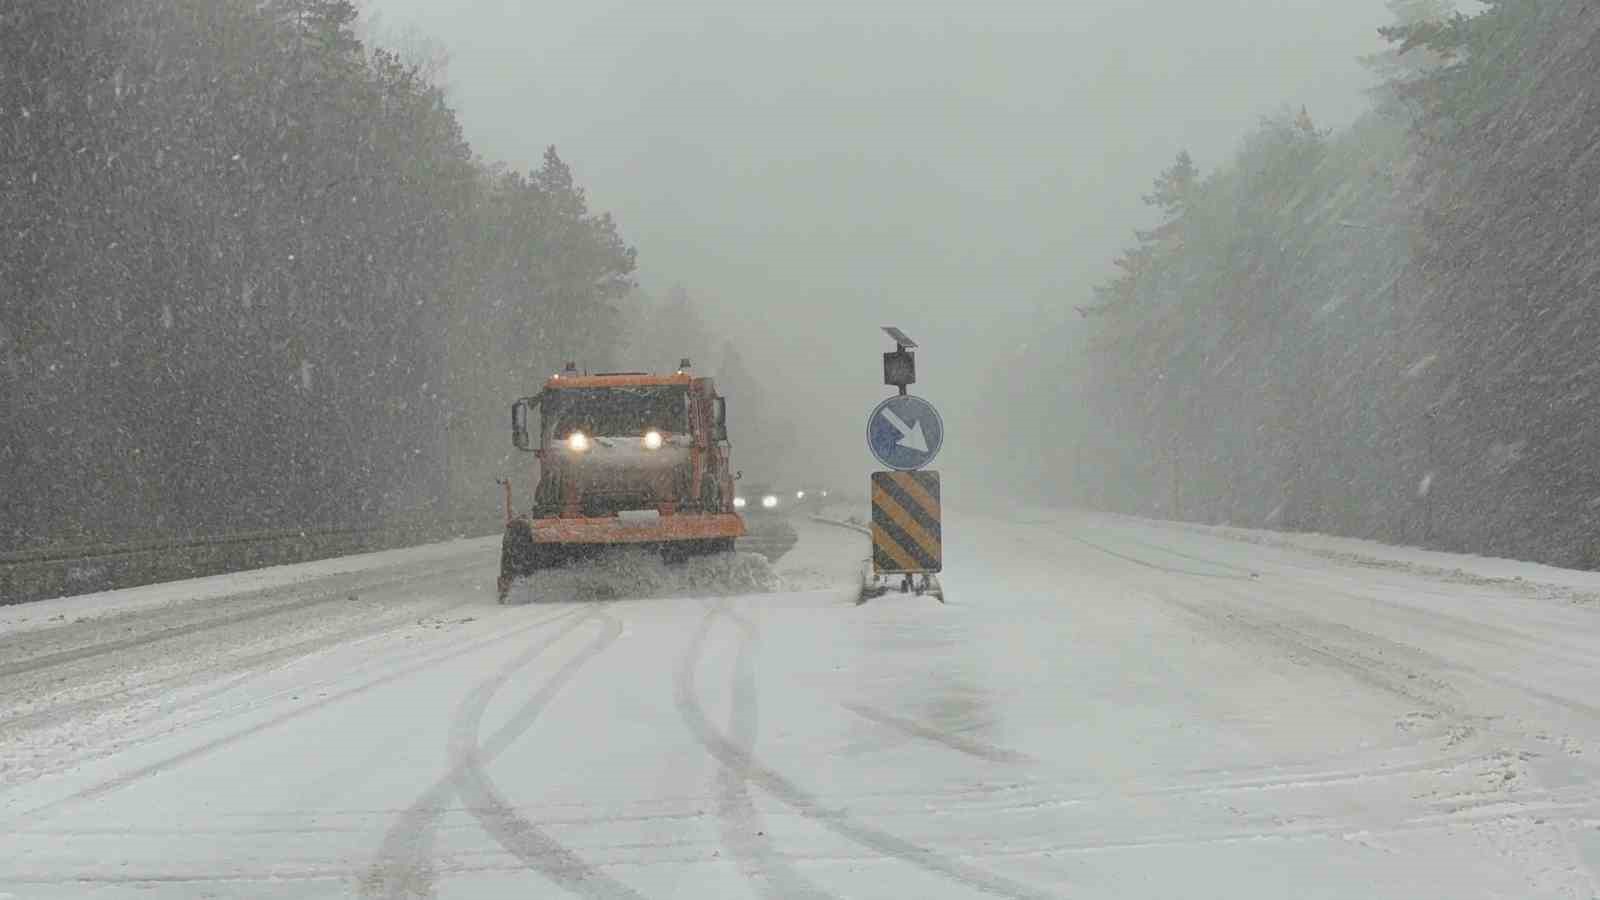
(1397,66)
(326,24)
(1173,193)
(1469,63)
(668,330)
(242,247)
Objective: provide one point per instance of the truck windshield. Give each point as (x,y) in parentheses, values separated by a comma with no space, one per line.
(616,412)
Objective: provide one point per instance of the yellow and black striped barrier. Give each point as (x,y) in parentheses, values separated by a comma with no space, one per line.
(906,534)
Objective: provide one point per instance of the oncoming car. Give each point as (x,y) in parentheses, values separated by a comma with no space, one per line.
(811,493)
(759,498)
(766,497)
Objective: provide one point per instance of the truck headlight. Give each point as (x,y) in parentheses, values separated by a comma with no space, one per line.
(769,501)
(652,440)
(738,503)
(578,441)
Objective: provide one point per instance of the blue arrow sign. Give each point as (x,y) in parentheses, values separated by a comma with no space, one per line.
(905,432)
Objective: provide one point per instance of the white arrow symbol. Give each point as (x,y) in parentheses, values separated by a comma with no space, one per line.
(910,435)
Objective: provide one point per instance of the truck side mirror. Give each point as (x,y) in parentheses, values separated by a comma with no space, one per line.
(519,424)
(721,429)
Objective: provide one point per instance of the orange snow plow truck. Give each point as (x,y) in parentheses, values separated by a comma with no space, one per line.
(625,459)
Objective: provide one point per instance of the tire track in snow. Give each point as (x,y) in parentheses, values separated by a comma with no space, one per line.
(742,761)
(981,750)
(1435,620)
(1094,791)
(1242,615)
(1578,813)
(741,825)
(404,868)
(1237,573)
(1362,590)
(140,774)
(105,724)
(1239,618)
(1506,640)
(913,802)
(1487,633)
(318,598)
(1298,632)
(1379,662)
(247,667)
(520,837)
(1487,813)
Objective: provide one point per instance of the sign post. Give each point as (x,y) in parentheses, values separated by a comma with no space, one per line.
(904,434)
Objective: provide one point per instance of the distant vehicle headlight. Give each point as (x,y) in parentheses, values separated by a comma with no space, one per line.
(652,440)
(799,495)
(769,501)
(738,503)
(578,441)
(824,493)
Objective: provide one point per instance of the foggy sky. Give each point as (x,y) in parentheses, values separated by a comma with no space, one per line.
(811,171)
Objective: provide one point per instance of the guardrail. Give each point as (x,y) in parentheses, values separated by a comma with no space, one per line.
(840,523)
(84,568)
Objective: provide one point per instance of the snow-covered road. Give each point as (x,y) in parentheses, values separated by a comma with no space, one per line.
(1106,708)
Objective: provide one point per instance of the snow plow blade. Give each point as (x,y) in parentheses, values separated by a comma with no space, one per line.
(533,544)
(617,530)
